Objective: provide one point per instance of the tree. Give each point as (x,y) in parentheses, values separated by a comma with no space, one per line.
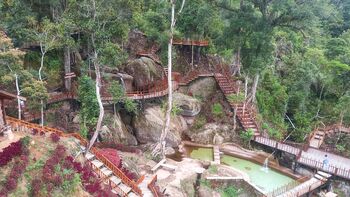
(103,25)
(119,97)
(12,59)
(160,147)
(88,112)
(49,37)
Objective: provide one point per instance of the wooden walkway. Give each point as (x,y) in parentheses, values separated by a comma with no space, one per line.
(339,166)
(190,42)
(156,92)
(318,135)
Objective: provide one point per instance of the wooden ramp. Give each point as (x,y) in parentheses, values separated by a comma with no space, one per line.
(318,180)
(317,138)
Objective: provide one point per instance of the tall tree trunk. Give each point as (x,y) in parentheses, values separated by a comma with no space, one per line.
(18,99)
(237,62)
(160,148)
(255,86)
(43,52)
(192,63)
(98,84)
(170,89)
(245,92)
(100,104)
(67,68)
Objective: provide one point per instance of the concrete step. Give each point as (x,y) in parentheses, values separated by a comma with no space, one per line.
(106,172)
(115,180)
(89,156)
(249,125)
(324,174)
(317,137)
(132,194)
(97,163)
(319,177)
(126,189)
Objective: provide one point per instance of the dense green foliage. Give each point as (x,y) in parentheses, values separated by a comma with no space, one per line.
(119,97)
(300,49)
(89,108)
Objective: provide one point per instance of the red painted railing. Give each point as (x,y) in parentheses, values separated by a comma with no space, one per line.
(190,42)
(154,189)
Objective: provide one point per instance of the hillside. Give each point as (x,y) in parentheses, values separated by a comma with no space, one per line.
(127,84)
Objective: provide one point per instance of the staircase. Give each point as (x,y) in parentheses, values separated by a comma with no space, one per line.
(316,181)
(146,192)
(106,169)
(108,177)
(216,151)
(244,112)
(317,138)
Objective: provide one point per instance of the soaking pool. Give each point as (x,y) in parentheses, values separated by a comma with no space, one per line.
(205,154)
(267,181)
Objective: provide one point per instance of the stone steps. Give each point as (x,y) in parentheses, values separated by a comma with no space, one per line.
(216,151)
(107,175)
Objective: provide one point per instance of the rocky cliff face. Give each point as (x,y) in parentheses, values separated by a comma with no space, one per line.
(144,71)
(189,106)
(148,126)
(118,132)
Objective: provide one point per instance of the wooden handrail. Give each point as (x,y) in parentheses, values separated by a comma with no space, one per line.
(151,186)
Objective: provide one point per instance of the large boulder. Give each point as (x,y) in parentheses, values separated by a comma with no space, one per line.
(124,79)
(212,133)
(189,106)
(117,132)
(148,126)
(145,71)
(203,87)
(137,41)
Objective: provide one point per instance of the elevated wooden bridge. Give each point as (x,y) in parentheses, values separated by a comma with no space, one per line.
(190,42)
(317,137)
(159,89)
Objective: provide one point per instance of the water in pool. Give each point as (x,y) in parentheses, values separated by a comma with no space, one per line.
(205,154)
(265,180)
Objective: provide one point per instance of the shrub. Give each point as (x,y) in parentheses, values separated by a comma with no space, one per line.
(246,136)
(15,173)
(199,122)
(11,183)
(120,147)
(54,137)
(213,169)
(217,110)
(35,187)
(13,150)
(25,141)
(130,175)
(234,98)
(230,191)
(35,131)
